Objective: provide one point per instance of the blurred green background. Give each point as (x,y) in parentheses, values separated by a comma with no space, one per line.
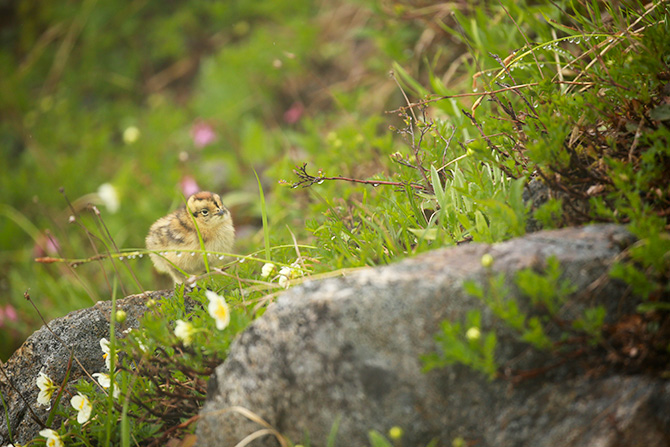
(130,104)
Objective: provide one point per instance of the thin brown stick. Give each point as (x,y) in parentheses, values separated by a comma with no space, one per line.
(485,93)
(307,180)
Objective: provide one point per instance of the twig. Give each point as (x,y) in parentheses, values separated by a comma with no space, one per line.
(122,259)
(404,95)
(307,180)
(485,93)
(88,235)
(524,38)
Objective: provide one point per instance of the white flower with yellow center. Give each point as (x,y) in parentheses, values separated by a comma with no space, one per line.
(53,440)
(83,407)
(184,331)
(47,388)
(104,381)
(285,275)
(104,345)
(267,269)
(218,309)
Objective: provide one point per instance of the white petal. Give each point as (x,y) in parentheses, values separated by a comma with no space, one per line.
(102,378)
(218,309)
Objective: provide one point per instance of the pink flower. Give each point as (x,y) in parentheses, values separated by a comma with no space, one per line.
(10,313)
(203,134)
(45,245)
(7,314)
(188,186)
(294,113)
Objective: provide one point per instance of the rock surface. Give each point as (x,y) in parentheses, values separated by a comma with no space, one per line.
(349,347)
(80,331)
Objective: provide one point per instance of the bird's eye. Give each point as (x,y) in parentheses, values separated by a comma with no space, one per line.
(204,212)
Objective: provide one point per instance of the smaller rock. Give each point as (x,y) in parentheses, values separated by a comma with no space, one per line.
(48,351)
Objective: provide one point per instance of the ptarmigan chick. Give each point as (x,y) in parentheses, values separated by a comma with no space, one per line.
(175,236)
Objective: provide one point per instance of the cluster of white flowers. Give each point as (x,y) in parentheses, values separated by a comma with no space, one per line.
(79,402)
(217,309)
(285,274)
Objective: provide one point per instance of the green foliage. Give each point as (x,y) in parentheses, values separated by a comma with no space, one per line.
(160,377)
(549,214)
(464,345)
(587,123)
(546,290)
(532,318)
(110,95)
(591,323)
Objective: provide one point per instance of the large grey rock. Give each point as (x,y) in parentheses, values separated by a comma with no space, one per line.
(349,347)
(79,331)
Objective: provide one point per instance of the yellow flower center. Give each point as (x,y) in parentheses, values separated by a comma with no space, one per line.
(221,312)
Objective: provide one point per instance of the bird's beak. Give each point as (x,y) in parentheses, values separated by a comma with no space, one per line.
(221,212)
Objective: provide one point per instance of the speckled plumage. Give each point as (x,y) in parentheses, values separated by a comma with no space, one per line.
(177,231)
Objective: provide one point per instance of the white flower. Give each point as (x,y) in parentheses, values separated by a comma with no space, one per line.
(267,269)
(83,407)
(131,135)
(53,440)
(47,388)
(104,381)
(473,334)
(185,331)
(104,345)
(218,309)
(109,197)
(286,271)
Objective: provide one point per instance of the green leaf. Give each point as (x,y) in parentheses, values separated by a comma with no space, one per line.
(437,186)
(429,234)
(264,215)
(378,440)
